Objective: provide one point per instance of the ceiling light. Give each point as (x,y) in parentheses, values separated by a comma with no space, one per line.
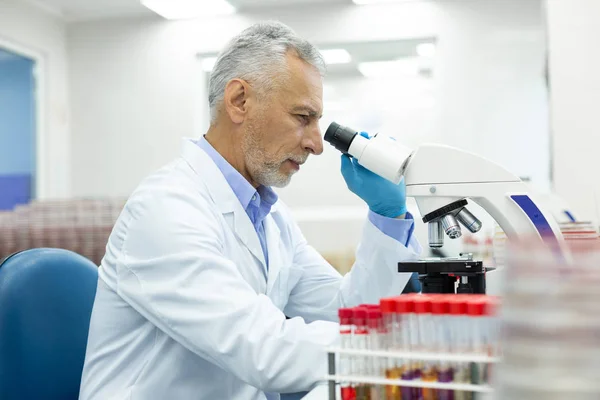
(426,50)
(336,56)
(187,9)
(377,69)
(365,2)
(208,63)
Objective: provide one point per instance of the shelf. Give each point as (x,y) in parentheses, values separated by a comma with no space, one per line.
(466,387)
(464,357)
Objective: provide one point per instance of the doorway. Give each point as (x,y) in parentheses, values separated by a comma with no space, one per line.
(17,129)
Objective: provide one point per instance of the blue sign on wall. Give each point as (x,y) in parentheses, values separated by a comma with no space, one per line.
(17,130)
(15,189)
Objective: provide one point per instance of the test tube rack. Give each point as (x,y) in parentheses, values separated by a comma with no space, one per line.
(334,379)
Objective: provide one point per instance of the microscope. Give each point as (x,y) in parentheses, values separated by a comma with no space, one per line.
(442,179)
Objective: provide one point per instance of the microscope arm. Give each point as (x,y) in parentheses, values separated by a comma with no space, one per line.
(438,175)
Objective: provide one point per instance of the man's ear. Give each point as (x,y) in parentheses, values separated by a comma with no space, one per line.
(235,100)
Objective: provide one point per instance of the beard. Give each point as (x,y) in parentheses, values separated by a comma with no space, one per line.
(265,169)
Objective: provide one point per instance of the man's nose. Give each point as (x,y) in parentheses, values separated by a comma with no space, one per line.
(313,141)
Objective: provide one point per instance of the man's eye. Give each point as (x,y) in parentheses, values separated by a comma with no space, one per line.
(304,118)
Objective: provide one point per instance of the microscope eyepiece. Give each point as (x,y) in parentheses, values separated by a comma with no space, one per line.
(339,136)
(379,154)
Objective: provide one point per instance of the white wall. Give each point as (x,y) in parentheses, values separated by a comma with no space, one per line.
(489,75)
(134,83)
(573,31)
(133,98)
(491,90)
(26,27)
(135,87)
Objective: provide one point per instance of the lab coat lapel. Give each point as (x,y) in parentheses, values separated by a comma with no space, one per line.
(224,198)
(247,234)
(273,246)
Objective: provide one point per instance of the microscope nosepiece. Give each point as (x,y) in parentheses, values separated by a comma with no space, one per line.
(451,227)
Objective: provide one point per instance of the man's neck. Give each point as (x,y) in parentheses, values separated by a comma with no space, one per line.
(228,146)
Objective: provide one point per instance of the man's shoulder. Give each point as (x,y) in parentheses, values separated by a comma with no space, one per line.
(172,185)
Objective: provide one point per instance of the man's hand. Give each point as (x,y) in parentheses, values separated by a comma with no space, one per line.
(382,196)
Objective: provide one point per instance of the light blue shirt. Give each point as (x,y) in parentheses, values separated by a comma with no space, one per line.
(258,203)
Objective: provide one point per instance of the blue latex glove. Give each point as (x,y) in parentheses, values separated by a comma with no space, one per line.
(382,196)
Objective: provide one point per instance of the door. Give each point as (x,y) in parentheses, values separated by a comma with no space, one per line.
(17,130)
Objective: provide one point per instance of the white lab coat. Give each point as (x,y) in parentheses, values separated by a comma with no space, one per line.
(186,308)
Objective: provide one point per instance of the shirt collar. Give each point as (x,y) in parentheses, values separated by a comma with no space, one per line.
(243,190)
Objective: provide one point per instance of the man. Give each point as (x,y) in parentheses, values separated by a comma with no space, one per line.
(205,263)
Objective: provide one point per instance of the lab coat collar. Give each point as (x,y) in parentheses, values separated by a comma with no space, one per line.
(232,210)
(208,172)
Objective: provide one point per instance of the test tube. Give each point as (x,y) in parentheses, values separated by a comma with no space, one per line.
(405,307)
(459,331)
(345,367)
(359,342)
(375,343)
(425,343)
(440,308)
(493,312)
(392,340)
(476,328)
(493,331)
(417,365)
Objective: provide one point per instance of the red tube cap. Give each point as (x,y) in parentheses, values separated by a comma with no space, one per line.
(476,306)
(440,304)
(359,316)
(458,304)
(374,319)
(388,305)
(345,315)
(405,304)
(422,304)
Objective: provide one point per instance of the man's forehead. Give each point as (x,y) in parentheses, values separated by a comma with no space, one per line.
(303,73)
(303,90)
(304,97)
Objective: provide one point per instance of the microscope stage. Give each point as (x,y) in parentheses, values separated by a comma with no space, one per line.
(443,266)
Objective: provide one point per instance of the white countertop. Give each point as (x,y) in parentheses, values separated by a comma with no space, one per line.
(321,392)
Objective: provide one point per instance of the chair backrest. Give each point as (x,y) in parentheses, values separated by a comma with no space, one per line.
(46,299)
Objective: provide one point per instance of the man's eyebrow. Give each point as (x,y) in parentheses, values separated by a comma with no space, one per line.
(308,110)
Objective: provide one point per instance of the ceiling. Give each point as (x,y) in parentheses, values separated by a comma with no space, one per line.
(249,4)
(74,10)
(77,10)
(374,51)
(361,52)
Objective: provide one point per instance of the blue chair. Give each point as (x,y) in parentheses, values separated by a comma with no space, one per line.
(46,299)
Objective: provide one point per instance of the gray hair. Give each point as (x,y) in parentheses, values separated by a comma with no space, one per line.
(255,55)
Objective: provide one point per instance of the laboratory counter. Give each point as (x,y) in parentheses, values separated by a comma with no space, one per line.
(321,392)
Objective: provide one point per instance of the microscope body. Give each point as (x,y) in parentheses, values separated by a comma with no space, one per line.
(442,179)
(441,195)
